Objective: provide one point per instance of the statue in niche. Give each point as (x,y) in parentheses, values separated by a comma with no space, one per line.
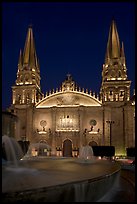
(91,128)
(50,133)
(84,133)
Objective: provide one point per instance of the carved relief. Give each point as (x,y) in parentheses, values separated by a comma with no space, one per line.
(60,101)
(67,121)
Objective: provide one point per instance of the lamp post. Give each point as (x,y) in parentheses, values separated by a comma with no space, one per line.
(110,122)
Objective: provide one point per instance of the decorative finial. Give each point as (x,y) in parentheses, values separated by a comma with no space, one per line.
(30,25)
(68,75)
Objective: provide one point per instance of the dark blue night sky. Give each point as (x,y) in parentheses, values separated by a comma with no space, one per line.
(69,38)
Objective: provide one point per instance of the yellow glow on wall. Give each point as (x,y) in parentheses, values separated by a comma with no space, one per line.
(91,132)
(69,130)
(42,132)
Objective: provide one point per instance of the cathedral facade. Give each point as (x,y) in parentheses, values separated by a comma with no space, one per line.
(69,116)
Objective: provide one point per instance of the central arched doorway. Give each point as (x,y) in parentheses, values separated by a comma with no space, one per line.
(67,148)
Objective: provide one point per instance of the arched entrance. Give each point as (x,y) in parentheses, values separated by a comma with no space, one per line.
(93,143)
(67,148)
(43,148)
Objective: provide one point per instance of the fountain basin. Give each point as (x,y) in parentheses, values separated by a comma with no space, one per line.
(58,180)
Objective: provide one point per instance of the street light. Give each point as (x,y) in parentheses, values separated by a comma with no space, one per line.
(110,122)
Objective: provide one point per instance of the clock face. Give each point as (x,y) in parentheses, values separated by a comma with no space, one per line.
(43,123)
(93,122)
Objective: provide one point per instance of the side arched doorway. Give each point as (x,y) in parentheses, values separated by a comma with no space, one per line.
(67,148)
(43,148)
(93,143)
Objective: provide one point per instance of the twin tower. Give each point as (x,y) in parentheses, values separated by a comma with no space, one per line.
(115,87)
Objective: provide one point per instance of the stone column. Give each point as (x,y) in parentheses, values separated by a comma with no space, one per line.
(53,148)
(80,119)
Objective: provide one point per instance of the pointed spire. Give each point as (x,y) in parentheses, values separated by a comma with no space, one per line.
(113,45)
(29,54)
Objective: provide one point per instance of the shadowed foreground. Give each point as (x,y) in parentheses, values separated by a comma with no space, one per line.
(59,180)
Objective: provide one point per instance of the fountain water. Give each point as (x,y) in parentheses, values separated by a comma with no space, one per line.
(86,154)
(39,149)
(54,180)
(11,150)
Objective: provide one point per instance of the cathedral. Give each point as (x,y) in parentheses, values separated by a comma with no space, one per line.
(69,116)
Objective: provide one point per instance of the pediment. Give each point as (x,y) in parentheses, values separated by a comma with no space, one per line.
(68,98)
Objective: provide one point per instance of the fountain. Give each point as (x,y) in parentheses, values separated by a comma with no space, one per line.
(86,155)
(40,149)
(11,151)
(86,152)
(57,180)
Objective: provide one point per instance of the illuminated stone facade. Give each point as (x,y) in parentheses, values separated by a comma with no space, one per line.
(69,116)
